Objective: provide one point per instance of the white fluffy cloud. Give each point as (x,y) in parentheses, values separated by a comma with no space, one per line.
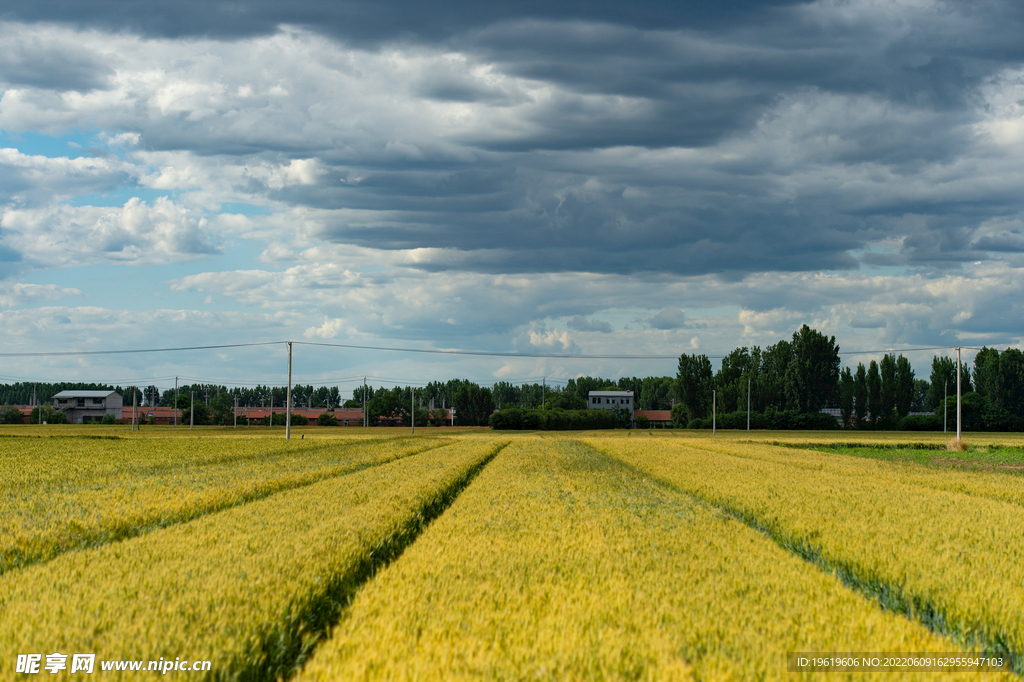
(18,294)
(27,179)
(136,233)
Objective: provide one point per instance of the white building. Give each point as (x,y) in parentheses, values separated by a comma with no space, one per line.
(88,406)
(612,400)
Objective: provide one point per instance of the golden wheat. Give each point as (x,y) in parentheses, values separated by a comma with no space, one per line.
(560,563)
(246,588)
(920,548)
(58,494)
(995,485)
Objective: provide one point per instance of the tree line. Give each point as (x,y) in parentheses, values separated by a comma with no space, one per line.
(803,375)
(780,382)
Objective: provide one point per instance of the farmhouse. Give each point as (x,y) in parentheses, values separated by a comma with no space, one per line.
(611,400)
(656,418)
(88,406)
(257,415)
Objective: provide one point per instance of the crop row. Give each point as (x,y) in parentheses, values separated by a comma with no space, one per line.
(250,588)
(559,562)
(63,457)
(994,485)
(121,489)
(951,559)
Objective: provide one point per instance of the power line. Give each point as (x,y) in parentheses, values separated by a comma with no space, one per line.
(134,350)
(430,351)
(892,350)
(485,353)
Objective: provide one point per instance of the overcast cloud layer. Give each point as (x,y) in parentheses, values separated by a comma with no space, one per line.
(557,177)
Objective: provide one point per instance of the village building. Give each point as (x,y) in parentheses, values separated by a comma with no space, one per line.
(660,419)
(82,407)
(611,400)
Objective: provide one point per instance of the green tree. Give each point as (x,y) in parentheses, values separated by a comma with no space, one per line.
(966,386)
(774,364)
(565,401)
(694,382)
(874,384)
(505,394)
(10,415)
(920,402)
(887,393)
(1011,381)
(973,409)
(473,404)
(731,380)
(326,419)
(904,386)
(49,415)
(656,393)
(846,393)
(131,393)
(860,394)
(222,409)
(680,416)
(812,376)
(202,414)
(986,373)
(942,380)
(385,403)
(358,395)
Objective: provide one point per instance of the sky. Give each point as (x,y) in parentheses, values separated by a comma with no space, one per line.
(573,178)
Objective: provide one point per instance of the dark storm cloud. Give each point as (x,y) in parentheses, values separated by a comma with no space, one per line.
(823,126)
(367,21)
(581,324)
(32,63)
(1012,242)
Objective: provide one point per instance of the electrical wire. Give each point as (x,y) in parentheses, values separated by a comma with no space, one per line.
(485,353)
(41,354)
(433,351)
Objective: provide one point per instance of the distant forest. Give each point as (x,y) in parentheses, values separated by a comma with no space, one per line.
(797,376)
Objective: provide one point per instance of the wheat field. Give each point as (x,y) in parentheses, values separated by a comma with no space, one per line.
(374,554)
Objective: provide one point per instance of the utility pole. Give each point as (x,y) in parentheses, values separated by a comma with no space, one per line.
(288,398)
(945,407)
(958,395)
(192,411)
(748,403)
(714,408)
(412,401)
(175,401)
(365,421)
(236,411)
(543,390)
